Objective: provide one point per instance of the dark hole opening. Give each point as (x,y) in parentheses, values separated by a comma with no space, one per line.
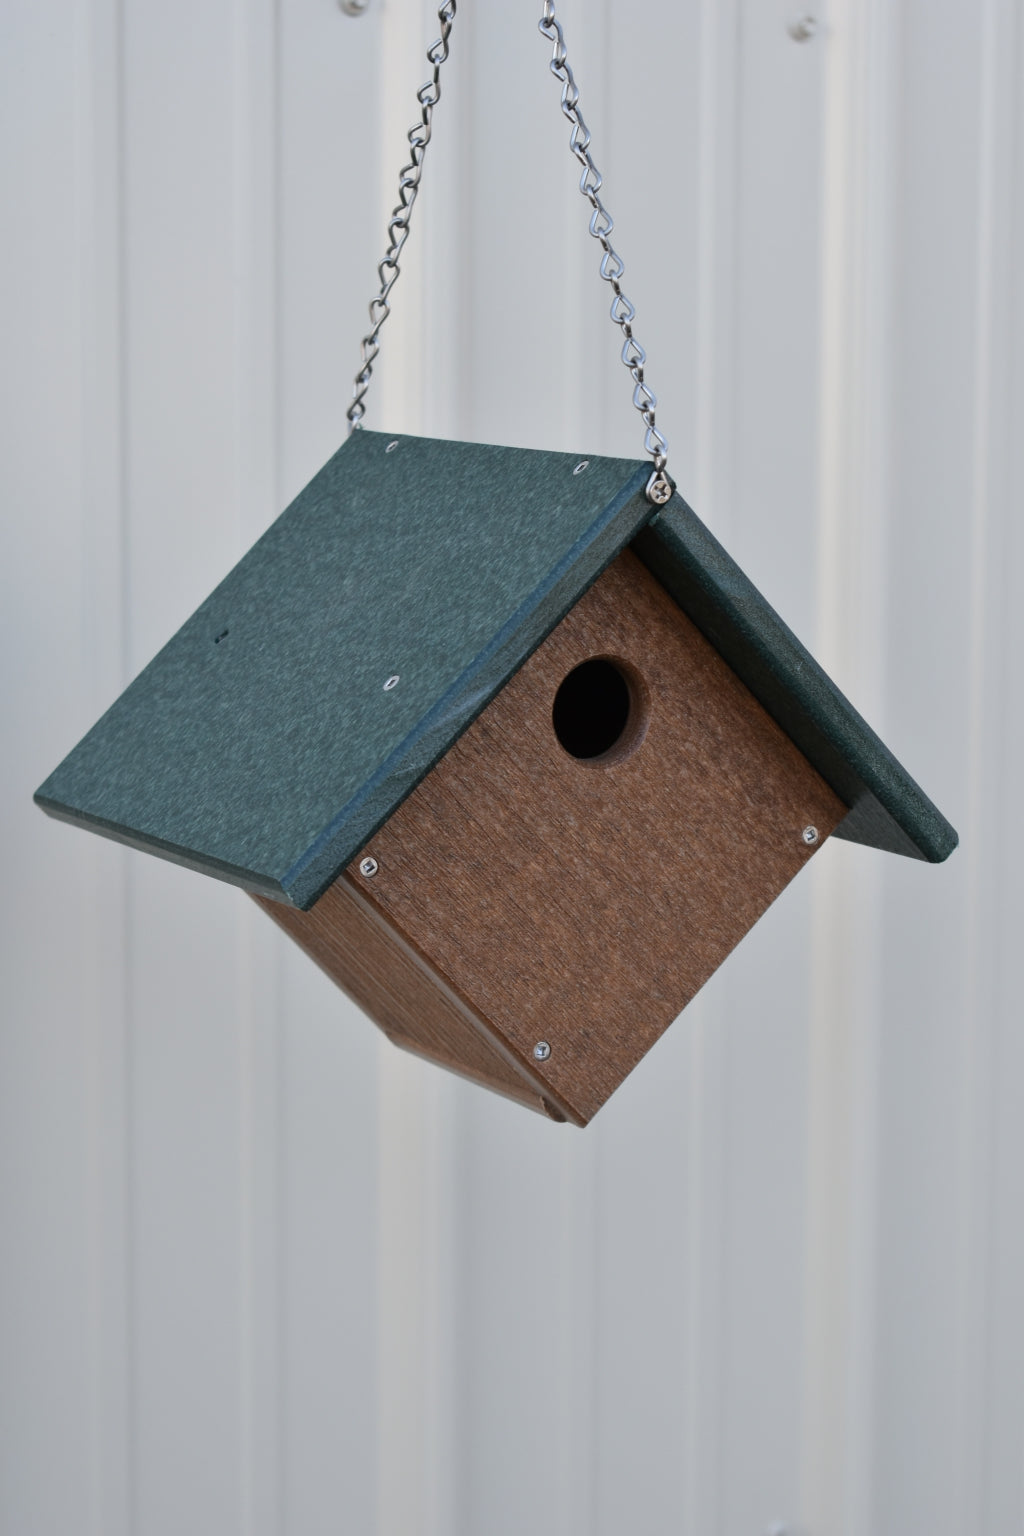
(591,709)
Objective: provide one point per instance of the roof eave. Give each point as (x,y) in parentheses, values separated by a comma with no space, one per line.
(888,810)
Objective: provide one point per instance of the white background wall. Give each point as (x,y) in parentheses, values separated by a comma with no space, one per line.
(262,1274)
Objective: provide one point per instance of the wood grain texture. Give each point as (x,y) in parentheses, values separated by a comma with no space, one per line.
(402,993)
(586,903)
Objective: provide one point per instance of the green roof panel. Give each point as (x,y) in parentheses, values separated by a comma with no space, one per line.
(348,650)
(263,744)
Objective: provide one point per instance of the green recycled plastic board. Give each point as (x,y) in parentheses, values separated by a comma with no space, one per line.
(262,745)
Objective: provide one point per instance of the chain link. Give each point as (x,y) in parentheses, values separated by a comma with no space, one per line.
(398,228)
(660,486)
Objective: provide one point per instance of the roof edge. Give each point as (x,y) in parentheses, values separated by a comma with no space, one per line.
(204,864)
(888,810)
(357,821)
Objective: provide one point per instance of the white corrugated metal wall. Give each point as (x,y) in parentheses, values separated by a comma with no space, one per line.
(261,1273)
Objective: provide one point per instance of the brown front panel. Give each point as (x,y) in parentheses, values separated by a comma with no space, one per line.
(368,960)
(583,903)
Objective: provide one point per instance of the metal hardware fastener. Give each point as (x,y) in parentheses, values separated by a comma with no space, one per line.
(368,867)
(802,30)
(660,489)
(542,1050)
(810,836)
(391,446)
(392,682)
(581,466)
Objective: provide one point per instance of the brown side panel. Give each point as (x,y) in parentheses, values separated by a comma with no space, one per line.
(584,903)
(398,991)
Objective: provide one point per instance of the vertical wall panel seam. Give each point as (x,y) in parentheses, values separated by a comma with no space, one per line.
(980,841)
(280,1055)
(586,334)
(408,1171)
(130,1192)
(280,1123)
(716,356)
(277,255)
(464,391)
(257,414)
(471,164)
(614,402)
(99,253)
(1008,964)
(842,1132)
(599,430)
(120,86)
(443,268)
(718,199)
(241,86)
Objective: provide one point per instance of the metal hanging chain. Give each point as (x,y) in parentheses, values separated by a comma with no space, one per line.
(659,487)
(428,96)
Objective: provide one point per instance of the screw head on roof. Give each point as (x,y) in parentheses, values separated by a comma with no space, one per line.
(810,836)
(368,867)
(542,1050)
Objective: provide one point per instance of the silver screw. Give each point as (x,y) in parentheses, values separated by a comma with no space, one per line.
(810,836)
(804,29)
(354,7)
(581,466)
(392,682)
(391,446)
(368,867)
(542,1050)
(659,489)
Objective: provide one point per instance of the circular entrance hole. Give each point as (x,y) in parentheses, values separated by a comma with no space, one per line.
(595,711)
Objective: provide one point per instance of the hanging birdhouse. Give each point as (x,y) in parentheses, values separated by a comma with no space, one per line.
(515,757)
(503,739)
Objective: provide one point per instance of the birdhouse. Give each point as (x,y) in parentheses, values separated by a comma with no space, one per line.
(514,757)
